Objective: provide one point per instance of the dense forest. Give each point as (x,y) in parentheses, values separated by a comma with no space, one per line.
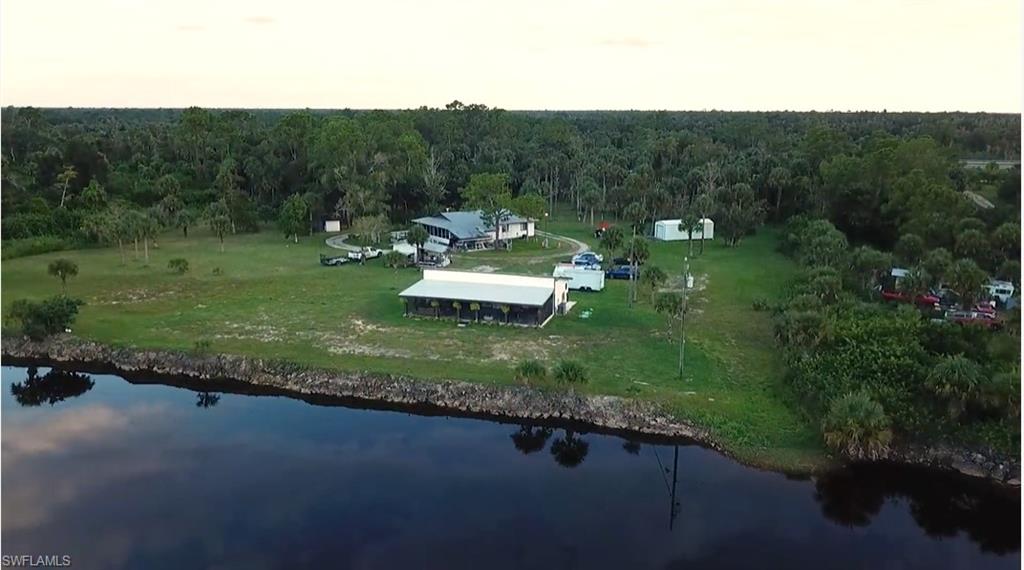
(856,194)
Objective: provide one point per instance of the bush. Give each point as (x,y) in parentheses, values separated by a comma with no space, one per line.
(202,346)
(395,259)
(570,372)
(178,265)
(530,371)
(15,248)
(41,319)
(857,427)
(761,304)
(218,271)
(955,379)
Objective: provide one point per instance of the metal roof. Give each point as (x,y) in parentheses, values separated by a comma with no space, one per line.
(479,292)
(465,224)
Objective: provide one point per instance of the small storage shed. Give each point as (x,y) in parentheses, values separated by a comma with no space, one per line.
(332,226)
(668,230)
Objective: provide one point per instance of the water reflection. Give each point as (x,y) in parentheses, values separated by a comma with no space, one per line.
(55,386)
(943,505)
(205,477)
(569,450)
(530,439)
(206,399)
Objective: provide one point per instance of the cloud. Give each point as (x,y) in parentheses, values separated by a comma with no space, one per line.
(190,28)
(259,20)
(630,42)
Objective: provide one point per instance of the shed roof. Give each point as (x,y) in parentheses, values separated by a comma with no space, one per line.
(479,292)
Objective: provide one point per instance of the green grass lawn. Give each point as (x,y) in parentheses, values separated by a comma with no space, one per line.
(271,298)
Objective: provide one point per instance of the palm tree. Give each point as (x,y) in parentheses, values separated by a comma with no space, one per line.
(458,310)
(505,309)
(437,308)
(857,426)
(957,380)
(475,307)
(417,236)
(612,240)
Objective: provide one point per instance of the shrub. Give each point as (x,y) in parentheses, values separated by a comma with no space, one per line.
(531,371)
(14,248)
(202,346)
(570,372)
(956,380)
(178,265)
(218,271)
(761,304)
(857,427)
(395,259)
(41,319)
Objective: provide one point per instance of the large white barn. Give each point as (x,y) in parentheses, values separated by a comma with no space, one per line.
(526,300)
(668,230)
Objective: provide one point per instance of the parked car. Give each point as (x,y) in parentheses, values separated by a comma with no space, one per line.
(621,272)
(333,260)
(365,253)
(924,300)
(587,258)
(974,318)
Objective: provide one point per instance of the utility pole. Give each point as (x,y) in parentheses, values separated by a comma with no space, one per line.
(632,267)
(682,315)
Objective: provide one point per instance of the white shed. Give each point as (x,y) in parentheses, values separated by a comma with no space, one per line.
(668,230)
(332,226)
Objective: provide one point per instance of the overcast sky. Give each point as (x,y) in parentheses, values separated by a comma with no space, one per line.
(928,55)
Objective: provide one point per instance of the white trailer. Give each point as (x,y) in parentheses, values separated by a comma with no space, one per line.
(580,278)
(668,230)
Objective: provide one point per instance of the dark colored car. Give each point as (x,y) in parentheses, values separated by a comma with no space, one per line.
(622,261)
(620,272)
(974,318)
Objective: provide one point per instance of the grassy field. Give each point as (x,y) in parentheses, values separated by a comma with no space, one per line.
(267,297)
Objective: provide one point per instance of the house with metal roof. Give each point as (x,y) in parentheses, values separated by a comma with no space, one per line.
(487,297)
(469,229)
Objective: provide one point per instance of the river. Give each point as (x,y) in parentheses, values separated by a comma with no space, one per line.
(133,474)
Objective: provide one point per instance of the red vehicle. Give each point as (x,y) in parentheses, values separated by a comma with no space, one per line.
(974,318)
(926,300)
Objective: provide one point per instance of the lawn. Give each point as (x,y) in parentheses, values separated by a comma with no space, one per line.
(268,297)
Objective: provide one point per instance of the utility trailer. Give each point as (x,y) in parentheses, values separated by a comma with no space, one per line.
(580,278)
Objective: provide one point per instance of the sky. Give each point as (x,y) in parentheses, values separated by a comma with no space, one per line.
(899,55)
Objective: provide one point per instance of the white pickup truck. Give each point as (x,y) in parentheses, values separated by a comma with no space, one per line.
(365,253)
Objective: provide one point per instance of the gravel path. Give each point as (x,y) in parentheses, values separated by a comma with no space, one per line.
(338,242)
(981,201)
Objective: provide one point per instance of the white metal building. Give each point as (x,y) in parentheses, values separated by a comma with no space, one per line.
(668,230)
(526,300)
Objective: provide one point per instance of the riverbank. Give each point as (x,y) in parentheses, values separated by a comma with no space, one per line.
(501,402)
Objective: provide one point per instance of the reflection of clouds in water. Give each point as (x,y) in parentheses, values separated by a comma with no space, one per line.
(256,482)
(48,460)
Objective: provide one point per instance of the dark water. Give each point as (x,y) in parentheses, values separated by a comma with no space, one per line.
(120,475)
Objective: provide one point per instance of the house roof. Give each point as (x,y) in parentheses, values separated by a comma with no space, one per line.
(465,224)
(479,292)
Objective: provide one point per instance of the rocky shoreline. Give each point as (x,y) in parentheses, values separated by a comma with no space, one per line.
(604,413)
